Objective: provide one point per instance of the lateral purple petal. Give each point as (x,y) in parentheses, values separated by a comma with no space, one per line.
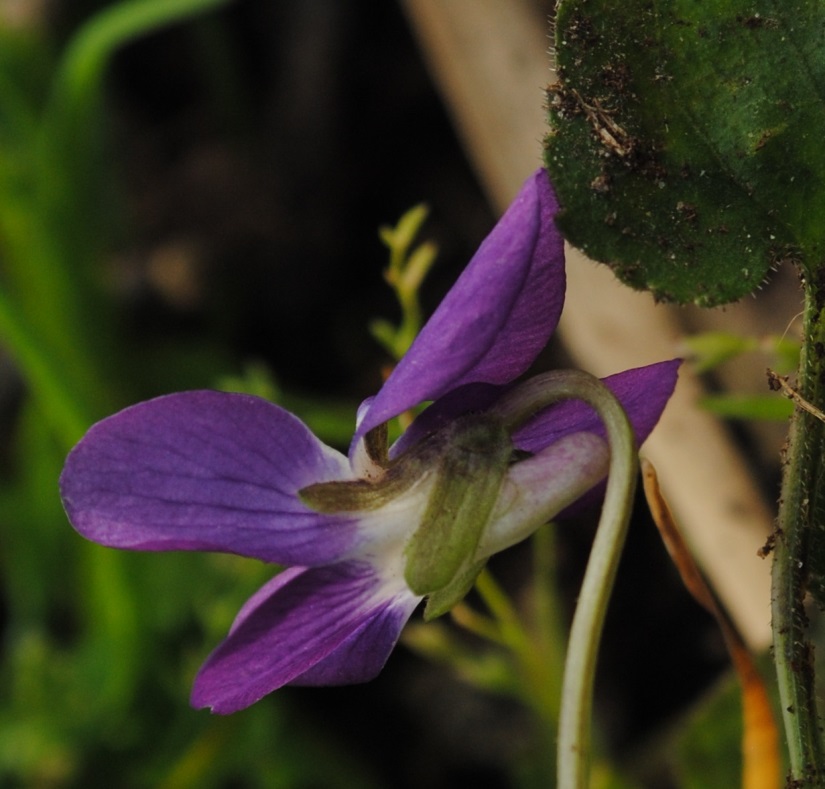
(643,392)
(496,318)
(206,471)
(304,627)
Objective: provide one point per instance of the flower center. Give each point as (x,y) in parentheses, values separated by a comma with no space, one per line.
(468,461)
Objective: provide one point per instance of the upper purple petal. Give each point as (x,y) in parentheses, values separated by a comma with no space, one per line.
(495,319)
(307,626)
(206,471)
(643,392)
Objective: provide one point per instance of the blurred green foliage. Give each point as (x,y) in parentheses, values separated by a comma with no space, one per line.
(99,646)
(709,350)
(707,749)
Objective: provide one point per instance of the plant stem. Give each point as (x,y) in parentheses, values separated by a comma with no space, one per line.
(580,665)
(799,516)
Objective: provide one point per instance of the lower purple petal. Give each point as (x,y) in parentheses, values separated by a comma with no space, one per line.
(361,657)
(314,626)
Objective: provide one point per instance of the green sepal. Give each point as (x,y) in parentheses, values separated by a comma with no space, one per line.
(469,476)
(367,494)
(438,603)
(360,495)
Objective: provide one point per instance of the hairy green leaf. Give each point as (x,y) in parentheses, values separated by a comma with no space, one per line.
(686,140)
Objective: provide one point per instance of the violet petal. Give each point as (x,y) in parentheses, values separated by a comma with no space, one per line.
(538,488)
(361,657)
(470,397)
(643,392)
(206,471)
(495,319)
(308,618)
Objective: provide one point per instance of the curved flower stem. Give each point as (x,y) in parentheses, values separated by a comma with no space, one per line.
(580,666)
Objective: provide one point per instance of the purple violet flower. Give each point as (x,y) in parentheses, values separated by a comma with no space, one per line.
(365,537)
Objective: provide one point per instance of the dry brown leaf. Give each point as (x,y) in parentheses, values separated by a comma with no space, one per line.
(760,739)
